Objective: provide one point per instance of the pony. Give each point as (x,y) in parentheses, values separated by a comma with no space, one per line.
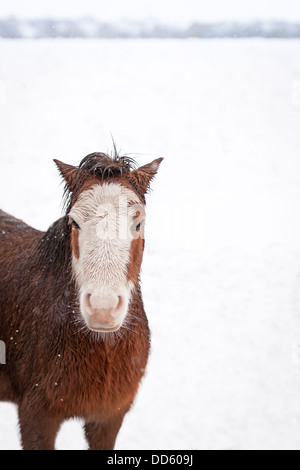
(72,319)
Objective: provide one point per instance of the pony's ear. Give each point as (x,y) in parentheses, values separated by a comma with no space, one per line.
(68,172)
(142,177)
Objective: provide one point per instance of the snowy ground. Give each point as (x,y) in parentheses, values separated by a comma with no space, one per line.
(221,277)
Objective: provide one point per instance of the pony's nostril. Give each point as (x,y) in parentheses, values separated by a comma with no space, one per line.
(87,302)
(116,311)
(120,302)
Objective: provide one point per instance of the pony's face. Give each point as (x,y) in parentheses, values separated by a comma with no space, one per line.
(107,245)
(107,218)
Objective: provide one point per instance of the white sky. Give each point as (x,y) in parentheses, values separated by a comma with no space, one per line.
(179,11)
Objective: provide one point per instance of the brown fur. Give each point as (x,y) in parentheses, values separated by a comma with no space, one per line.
(55,370)
(74,242)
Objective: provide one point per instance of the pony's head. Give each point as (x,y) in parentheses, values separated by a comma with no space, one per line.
(106,210)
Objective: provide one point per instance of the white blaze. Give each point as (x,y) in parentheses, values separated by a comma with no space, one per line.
(104,216)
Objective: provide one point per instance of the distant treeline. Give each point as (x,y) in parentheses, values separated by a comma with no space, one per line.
(91,28)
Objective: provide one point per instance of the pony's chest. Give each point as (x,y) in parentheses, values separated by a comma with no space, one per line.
(99,381)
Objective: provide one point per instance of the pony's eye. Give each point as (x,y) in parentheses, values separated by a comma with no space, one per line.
(75,224)
(138,226)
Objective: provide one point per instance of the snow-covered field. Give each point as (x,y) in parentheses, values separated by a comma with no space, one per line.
(221,274)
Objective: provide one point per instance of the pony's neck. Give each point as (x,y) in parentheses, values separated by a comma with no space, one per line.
(54,253)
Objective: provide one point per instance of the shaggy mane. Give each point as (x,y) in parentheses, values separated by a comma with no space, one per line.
(99,165)
(105,166)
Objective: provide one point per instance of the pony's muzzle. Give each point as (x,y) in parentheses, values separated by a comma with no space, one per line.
(103,314)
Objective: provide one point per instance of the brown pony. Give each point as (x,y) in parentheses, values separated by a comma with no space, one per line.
(71,312)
